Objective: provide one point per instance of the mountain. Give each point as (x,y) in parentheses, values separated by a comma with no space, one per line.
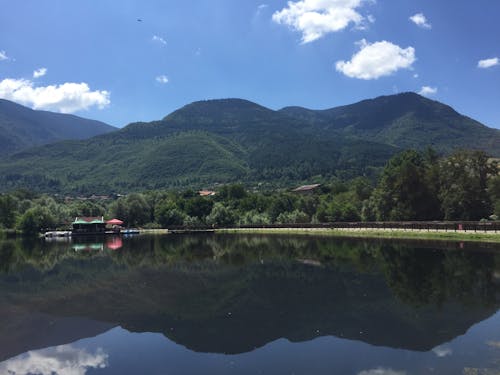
(22,127)
(229,140)
(406,120)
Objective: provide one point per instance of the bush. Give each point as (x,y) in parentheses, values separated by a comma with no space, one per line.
(35,220)
(221,216)
(294,217)
(167,216)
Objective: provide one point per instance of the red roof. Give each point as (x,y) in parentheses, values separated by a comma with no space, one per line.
(115,222)
(206,193)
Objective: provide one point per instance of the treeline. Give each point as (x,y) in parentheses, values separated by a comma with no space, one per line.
(422,186)
(413,186)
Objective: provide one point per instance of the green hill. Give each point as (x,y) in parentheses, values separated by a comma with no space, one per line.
(221,141)
(22,127)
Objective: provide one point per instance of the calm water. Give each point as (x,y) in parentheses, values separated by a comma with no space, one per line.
(222,304)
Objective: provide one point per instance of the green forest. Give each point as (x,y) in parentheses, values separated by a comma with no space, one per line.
(220,142)
(412,186)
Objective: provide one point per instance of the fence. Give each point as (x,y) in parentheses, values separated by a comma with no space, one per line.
(448,226)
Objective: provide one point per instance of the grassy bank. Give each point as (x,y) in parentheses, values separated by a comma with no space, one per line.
(378,233)
(154,231)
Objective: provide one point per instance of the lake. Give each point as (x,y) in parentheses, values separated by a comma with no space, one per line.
(248,304)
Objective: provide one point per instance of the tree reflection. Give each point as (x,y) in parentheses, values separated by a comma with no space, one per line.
(422,276)
(230,294)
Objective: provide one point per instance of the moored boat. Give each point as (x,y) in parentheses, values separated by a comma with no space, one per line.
(130,231)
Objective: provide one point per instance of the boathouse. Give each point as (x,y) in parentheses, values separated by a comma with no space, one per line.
(89,225)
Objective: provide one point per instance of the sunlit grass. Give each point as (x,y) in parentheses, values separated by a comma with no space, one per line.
(380,233)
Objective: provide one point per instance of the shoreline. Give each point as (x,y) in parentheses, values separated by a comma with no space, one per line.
(417,234)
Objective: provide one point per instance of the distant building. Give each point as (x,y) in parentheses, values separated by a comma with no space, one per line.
(95,197)
(89,225)
(206,193)
(306,189)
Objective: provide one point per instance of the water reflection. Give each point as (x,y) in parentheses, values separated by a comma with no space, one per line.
(442,351)
(382,371)
(60,360)
(233,294)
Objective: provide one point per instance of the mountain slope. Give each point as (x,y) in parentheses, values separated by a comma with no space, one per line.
(203,143)
(22,127)
(229,140)
(405,120)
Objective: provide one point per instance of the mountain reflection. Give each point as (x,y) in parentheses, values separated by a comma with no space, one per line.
(231,294)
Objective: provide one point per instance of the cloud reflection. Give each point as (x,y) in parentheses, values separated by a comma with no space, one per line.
(442,351)
(382,371)
(59,360)
(494,344)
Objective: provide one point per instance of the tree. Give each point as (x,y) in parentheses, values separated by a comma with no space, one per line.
(280,204)
(86,208)
(35,220)
(198,207)
(464,185)
(221,216)
(254,217)
(133,209)
(167,214)
(362,188)
(8,211)
(293,217)
(404,191)
(494,193)
(232,192)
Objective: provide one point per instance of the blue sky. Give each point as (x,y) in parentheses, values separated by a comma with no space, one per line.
(96,59)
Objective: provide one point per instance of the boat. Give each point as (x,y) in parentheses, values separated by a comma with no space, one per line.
(130,231)
(57,233)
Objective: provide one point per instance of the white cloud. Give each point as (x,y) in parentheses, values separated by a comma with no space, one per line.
(365,23)
(316,18)
(421,21)
(260,9)
(39,72)
(66,98)
(162,79)
(382,371)
(428,91)
(159,39)
(3,56)
(376,60)
(488,63)
(60,360)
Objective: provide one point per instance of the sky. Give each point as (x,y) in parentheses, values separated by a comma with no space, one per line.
(129,60)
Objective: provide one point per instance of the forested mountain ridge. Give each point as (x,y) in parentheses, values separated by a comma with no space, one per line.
(234,140)
(406,120)
(22,127)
